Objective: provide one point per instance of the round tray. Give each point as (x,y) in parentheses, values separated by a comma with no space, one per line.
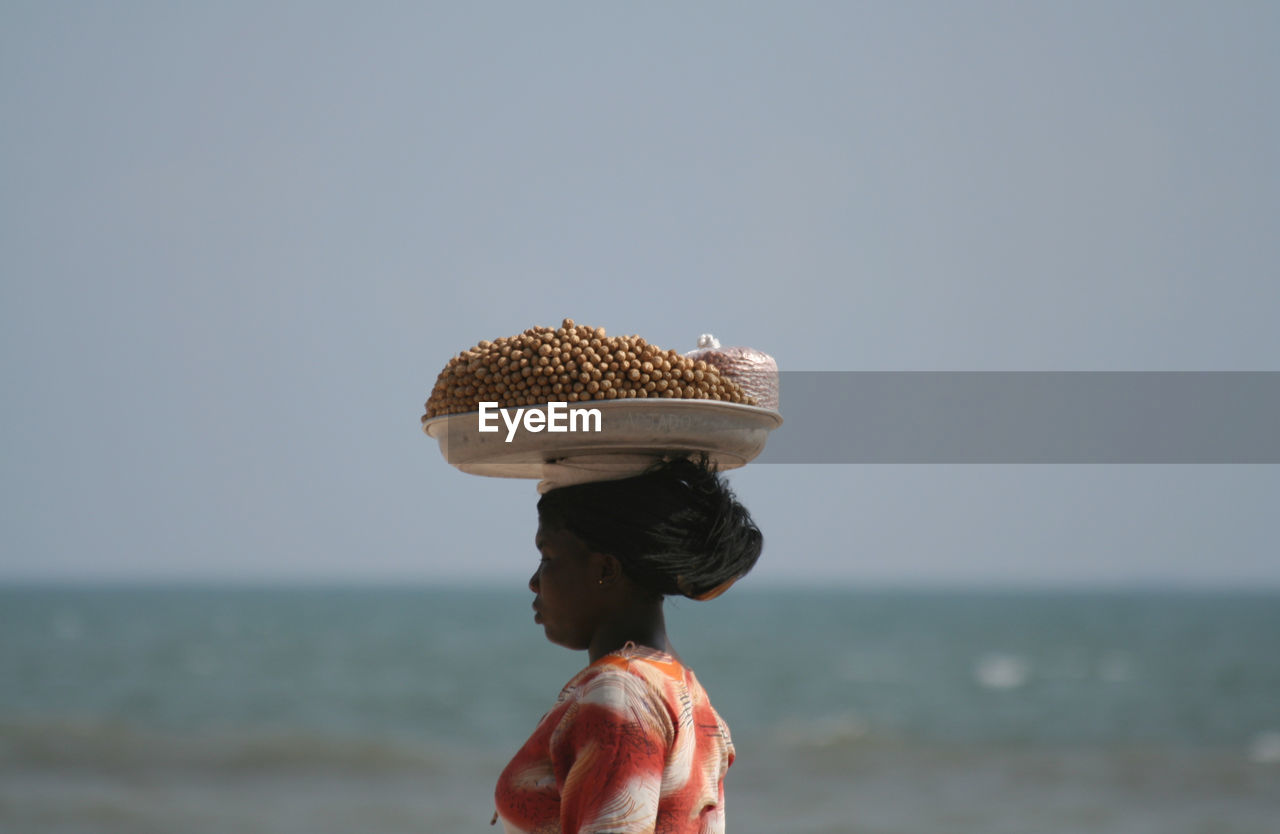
(730,434)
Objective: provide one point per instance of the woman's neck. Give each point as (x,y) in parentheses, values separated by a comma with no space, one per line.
(642,624)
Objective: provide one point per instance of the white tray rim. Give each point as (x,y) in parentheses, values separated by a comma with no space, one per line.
(744,439)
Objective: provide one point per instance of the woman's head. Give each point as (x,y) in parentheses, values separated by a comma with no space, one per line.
(677,529)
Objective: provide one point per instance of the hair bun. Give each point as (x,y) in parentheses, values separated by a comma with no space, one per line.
(676,529)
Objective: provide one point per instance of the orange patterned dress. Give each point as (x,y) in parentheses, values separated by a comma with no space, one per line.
(632,745)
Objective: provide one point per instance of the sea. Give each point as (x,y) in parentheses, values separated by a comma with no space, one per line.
(308,710)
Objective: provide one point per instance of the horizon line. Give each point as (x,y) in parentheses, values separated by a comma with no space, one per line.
(818,584)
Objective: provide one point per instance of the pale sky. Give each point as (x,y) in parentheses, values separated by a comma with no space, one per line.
(238,241)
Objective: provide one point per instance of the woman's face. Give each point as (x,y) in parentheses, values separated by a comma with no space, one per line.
(568,601)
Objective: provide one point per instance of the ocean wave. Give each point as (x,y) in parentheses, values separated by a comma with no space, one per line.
(821,732)
(1001,671)
(98,745)
(1265,748)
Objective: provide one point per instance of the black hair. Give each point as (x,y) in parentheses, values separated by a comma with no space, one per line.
(676,529)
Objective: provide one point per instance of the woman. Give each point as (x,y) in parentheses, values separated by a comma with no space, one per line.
(632,744)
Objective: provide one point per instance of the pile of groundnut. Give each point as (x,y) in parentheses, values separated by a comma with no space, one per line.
(573,363)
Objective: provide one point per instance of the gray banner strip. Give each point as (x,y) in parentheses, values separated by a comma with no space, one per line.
(1027,417)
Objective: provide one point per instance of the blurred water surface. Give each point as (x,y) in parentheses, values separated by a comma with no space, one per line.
(393,710)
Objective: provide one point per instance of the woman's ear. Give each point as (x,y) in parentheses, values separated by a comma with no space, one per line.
(606,568)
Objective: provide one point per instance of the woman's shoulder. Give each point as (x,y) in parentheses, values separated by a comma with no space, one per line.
(644,661)
(631,678)
(630,666)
